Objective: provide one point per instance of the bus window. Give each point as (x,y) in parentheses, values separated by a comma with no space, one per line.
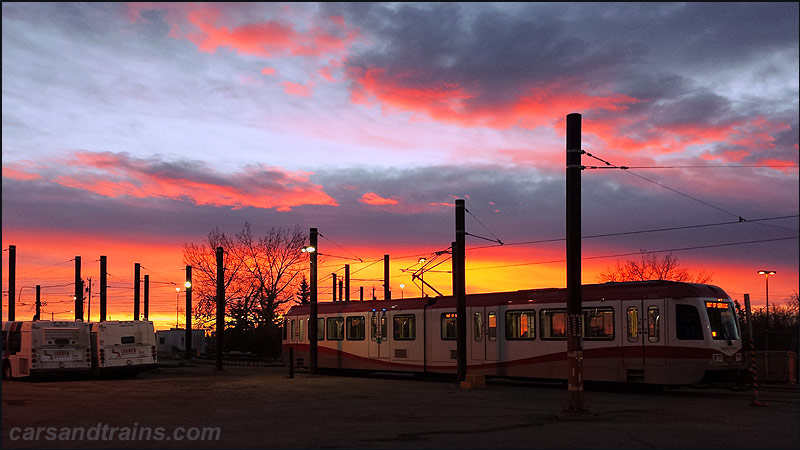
(653,325)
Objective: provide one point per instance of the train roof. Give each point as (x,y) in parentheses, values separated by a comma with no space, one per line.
(634,290)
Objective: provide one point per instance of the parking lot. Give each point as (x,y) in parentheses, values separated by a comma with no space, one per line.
(260,407)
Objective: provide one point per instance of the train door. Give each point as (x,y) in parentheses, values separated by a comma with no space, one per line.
(484,345)
(644,337)
(378,343)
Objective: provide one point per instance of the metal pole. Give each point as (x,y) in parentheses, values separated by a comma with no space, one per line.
(387,293)
(12,282)
(38,315)
(136,286)
(461,290)
(103,287)
(312,326)
(333,275)
(220,322)
(78,290)
(188,285)
(752,352)
(573,218)
(347,282)
(768,329)
(89,302)
(146,297)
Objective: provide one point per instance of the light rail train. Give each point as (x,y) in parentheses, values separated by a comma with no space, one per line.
(655,332)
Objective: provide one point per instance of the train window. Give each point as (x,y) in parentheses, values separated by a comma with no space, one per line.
(478,328)
(335,328)
(520,325)
(301,334)
(320,329)
(449,322)
(722,318)
(355,328)
(492,326)
(653,324)
(687,323)
(554,324)
(598,324)
(404,327)
(292,336)
(633,324)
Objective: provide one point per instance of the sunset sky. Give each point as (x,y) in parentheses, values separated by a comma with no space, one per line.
(130,130)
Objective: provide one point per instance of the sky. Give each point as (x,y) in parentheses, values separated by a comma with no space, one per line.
(131,130)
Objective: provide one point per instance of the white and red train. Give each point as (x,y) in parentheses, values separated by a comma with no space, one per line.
(657,332)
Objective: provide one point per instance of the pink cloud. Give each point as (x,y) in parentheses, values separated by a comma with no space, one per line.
(118,175)
(374,199)
(297,89)
(269,71)
(19,174)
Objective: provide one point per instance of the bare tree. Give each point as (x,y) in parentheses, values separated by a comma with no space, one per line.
(203,260)
(651,267)
(272,265)
(261,274)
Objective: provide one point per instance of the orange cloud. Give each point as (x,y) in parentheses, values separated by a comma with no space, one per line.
(372,198)
(117,175)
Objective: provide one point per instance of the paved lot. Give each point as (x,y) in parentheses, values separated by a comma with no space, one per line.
(259,407)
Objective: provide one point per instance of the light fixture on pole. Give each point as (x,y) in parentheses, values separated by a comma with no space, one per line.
(401,290)
(766,274)
(177,302)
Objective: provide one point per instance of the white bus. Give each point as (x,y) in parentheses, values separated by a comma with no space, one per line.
(45,346)
(123,346)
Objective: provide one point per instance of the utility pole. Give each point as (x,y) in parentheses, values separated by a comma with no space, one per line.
(136,287)
(78,290)
(387,293)
(347,282)
(573,217)
(333,275)
(220,325)
(89,301)
(38,315)
(188,285)
(460,290)
(312,326)
(103,287)
(146,297)
(12,282)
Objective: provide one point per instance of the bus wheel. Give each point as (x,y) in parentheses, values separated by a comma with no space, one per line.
(6,370)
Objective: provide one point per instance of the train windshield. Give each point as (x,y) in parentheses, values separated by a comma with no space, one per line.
(722,318)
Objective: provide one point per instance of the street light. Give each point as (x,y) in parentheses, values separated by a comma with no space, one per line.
(766,274)
(308,249)
(401,290)
(177,302)
(58,312)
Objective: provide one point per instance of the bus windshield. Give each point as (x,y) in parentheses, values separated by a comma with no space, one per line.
(722,318)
